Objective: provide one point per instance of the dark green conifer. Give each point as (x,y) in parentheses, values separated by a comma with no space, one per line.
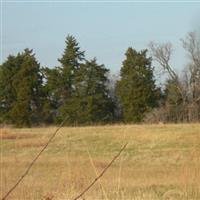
(27,82)
(136,88)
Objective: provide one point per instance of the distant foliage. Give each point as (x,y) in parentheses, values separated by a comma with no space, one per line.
(8,70)
(94,102)
(83,92)
(21,89)
(182,91)
(78,88)
(136,88)
(61,85)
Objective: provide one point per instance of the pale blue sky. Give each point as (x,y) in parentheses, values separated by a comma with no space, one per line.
(104,30)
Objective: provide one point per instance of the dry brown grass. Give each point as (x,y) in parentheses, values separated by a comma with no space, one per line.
(161,162)
(9,134)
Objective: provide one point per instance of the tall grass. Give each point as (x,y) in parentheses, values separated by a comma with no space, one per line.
(160,162)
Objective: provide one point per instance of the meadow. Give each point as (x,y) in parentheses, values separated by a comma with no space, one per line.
(161,162)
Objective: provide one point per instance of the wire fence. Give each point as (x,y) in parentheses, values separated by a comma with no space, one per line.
(40,153)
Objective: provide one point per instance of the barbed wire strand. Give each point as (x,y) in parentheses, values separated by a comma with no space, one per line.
(101,174)
(33,161)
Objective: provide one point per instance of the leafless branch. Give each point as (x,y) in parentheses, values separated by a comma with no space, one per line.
(33,161)
(101,174)
(162,54)
(192,45)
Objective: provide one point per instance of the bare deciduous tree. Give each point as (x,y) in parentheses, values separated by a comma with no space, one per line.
(188,85)
(162,54)
(192,45)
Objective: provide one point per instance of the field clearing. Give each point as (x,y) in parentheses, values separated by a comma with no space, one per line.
(160,162)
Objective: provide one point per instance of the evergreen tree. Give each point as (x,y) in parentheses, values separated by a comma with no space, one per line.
(136,88)
(78,90)
(27,83)
(174,101)
(92,98)
(8,70)
(52,91)
(70,64)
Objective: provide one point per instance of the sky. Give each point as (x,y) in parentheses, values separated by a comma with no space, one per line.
(103,29)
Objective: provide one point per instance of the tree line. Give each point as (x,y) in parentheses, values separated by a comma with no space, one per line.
(82,91)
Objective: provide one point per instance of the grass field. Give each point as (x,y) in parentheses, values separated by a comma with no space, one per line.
(160,162)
